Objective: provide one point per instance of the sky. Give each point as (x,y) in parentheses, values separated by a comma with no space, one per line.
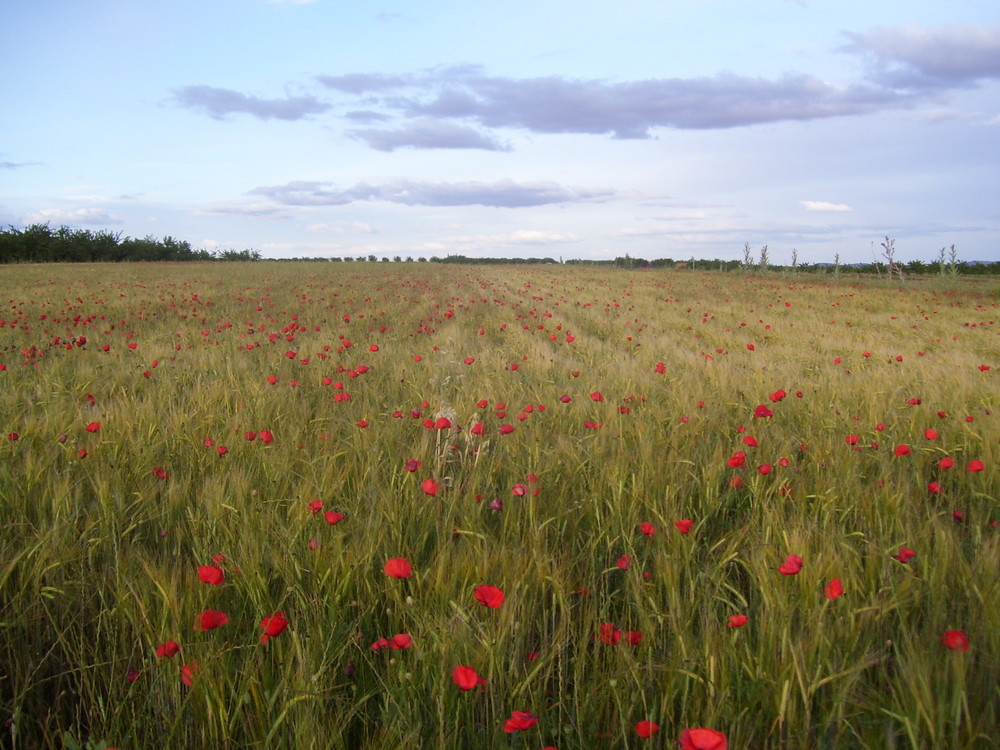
(569,130)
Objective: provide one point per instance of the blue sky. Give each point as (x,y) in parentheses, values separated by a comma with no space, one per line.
(544,129)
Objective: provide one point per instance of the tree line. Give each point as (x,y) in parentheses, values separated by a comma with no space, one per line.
(40,243)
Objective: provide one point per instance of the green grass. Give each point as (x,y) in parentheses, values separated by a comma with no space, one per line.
(99,557)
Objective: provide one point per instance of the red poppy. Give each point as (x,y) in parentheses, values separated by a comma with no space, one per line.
(633,637)
(506,429)
(946,463)
(737,460)
(160,473)
(661,367)
(210,574)
(623,562)
(791,566)
(466,677)
(902,450)
(609,634)
(646,728)
(764,469)
(975,465)
(93,427)
(333,518)
(519,720)
(167,649)
(750,440)
(430,487)
(934,488)
(490,596)
(762,412)
(398,567)
(315,506)
(701,738)
(478,428)
(737,621)
(188,671)
(684,526)
(930,434)
(905,555)
(777,395)
(400,641)
(833,589)
(956,640)
(596,396)
(647,528)
(266,436)
(274,625)
(852,439)
(209,620)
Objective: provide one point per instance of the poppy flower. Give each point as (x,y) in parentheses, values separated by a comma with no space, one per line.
(210,574)
(902,450)
(430,487)
(333,518)
(400,641)
(94,427)
(647,528)
(411,464)
(737,460)
(955,640)
(684,526)
(609,634)
(506,429)
(398,567)
(623,562)
(596,396)
(315,506)
(167,650)
(701,738)
(478,428)
(833,589)
(466,677)
(266,437)
(188,671)
(975,465)
(210,619)
(905,555)
(852,439)
(633,637)
(489,596)
(519,721)
(274,625)
(737,621)
(762,412)
(934,488)
(646,728)
(791,566)
(777,395)
(946,463)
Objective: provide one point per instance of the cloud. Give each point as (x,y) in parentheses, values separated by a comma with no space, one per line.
(427,133)
(218,103)
(630,109)
(18,164)
(255,209)
(500,194)
(825,206)
(342,227)
(914,57)
(77,217)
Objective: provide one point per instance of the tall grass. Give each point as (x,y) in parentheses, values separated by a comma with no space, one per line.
(99,555)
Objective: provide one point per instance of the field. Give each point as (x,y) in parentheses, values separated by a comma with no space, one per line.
(303,505)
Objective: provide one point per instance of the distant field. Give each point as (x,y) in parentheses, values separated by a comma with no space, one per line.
(416,505)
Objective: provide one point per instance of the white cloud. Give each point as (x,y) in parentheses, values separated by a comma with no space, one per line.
(87,216)
(825,206)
